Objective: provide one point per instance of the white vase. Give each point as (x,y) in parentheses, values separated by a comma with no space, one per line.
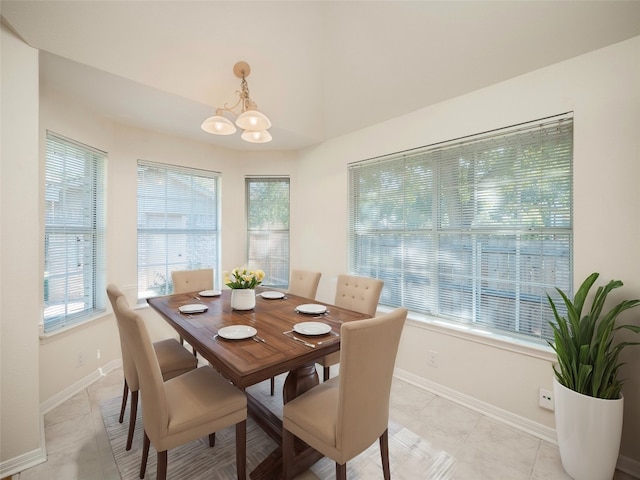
(589,432)
(243,298)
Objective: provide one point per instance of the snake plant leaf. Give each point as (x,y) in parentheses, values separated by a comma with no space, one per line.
(585,345)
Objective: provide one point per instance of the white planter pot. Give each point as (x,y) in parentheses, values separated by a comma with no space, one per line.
(243,298)
(589,432)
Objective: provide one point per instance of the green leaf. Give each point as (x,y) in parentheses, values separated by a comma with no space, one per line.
(585,345)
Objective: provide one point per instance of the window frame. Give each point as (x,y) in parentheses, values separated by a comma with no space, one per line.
(68,156)
(278,254)
(359,224)
(180,227)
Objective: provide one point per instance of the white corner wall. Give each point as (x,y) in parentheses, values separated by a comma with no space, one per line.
(20,279)
(602,88)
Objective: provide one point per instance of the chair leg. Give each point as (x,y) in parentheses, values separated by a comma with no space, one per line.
(133,414)
(241,449)
(212,439)
(273,385)
(341,471)
(125,396)
(325,373)
(161,473)
(288,453)
(145,454)
(384,454)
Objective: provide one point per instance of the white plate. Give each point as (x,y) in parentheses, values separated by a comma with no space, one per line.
(237,332)
(312,308)
(272,295)
(193,308)
(209,293)
(312,328)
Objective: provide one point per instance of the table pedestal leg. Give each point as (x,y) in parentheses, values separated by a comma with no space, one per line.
(297,382)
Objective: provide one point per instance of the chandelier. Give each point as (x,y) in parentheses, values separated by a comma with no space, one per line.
(253,123)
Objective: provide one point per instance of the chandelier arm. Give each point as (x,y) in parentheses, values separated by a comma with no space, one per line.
(247,103)
(255,124)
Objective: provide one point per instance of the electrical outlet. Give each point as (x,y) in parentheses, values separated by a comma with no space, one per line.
(79,359)
(433,359)
(545,399)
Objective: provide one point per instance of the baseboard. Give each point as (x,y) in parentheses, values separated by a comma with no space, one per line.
(628,466)
(78,386)
(625,464)
(39,455)
(22,462)
(540,431)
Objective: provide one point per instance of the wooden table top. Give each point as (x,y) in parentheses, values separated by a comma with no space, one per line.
(247,362)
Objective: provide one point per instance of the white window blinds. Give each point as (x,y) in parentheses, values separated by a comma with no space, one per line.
(474,231)
(268,228)
(178,224)
(74,232)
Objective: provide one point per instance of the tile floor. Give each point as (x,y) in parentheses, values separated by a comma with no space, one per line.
(78,447)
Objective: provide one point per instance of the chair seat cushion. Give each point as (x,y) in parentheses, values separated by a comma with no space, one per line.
(329,360)
(201,400)
(316,410)
(173,358)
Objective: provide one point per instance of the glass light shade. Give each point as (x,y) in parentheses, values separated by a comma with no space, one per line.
(253,120)
(256,136)
(218,125)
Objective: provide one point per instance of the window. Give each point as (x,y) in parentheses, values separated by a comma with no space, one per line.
(475,231)
(74,262)
(178,225)
(268,228)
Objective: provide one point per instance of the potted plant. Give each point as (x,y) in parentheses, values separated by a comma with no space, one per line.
(587,389)
(243,282)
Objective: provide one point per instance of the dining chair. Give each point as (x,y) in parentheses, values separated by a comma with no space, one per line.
(303,283)
(360,294)
(342,417)
(173,359)
(185,281)
(185,408)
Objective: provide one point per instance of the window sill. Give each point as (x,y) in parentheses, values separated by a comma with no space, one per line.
(140,305)
(61,332)
(477,335)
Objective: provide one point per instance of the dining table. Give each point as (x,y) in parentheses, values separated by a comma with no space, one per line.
(283,333)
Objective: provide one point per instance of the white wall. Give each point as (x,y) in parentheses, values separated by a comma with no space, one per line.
(20,273)
(602,88)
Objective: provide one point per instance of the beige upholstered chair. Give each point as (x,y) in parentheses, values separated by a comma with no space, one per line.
(342,417)
(360,294)
(185,281)
(304,283)
(173,359)
(185,408)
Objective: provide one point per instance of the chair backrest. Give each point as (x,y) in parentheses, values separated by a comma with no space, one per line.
(304,283)
(360,294)
(368,351)
(155,415)
(185,281)
(128,367)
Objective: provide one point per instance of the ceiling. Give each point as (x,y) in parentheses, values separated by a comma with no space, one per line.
(319,69)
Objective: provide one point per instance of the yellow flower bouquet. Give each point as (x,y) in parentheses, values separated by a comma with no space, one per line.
(243,278)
